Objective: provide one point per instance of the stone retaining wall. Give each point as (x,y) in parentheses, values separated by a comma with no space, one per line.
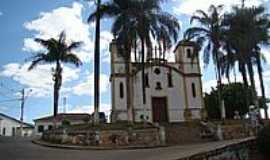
(189,133)
(236,151)
(145,137)
(237,131)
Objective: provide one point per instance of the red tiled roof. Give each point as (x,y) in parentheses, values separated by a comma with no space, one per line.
(66,116)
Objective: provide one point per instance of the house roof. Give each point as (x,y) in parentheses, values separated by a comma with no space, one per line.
(18,121)
(64,116)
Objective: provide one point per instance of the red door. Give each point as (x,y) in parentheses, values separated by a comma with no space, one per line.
(159,109)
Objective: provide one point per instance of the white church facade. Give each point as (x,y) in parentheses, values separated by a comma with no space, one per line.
(173,90)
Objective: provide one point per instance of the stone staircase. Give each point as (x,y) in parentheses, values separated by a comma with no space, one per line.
(187,133)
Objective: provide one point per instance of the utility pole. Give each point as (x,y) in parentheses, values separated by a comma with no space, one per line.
(23,98)
(22,110)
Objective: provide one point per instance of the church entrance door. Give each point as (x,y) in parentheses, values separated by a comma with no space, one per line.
(159,109)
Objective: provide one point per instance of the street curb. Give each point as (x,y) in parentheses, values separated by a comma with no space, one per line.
(73,147)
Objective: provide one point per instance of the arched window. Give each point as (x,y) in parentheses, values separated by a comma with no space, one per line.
(193,90)
(189,53)
(121,88)
(170,82)
(146,82)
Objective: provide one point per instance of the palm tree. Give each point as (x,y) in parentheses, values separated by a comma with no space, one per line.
(261,30)
(209,35)
(248,30)
(233,45)
(139,19)
(227,65)
(58,52)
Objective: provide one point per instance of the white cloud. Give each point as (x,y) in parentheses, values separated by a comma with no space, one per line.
(1,13)
(190,6)
(266,53)
(51,24)
(70,20)
(105,39)
(31,46)
(39,79)
(87,87)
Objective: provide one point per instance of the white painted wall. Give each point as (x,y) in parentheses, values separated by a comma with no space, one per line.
(194,102)
(175,95)
(185,71)
(8,125)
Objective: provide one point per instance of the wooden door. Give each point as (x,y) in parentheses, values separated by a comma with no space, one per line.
(159,109)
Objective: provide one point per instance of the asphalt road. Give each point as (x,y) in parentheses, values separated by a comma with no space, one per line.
(24,149)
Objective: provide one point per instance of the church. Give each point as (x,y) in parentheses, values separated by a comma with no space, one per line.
(173,90)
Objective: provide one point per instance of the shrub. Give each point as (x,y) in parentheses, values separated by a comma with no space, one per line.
(263,141)
(65,123)
(234,98)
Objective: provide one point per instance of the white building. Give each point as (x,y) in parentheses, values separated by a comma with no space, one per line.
(173,90)
(12,127)
(47,123)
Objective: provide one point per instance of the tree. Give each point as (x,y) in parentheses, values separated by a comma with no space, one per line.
(209,35)
(262,38)
(139,19)
(58,52)
(247,30)
(98,15)
(233,97)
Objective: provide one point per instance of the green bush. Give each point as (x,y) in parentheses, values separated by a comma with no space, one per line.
(65,123)
(234,99)
(263,141)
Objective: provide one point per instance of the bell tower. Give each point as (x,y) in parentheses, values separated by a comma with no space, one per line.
(118,84)
(186,55)
(187,59)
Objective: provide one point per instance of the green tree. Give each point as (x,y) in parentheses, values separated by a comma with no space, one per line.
(234,101)
(209,35)
(247,30)
(58,52)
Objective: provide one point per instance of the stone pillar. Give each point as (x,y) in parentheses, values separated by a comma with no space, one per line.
(219,133)
(162,135)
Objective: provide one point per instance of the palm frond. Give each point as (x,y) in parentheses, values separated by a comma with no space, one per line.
(72,59)
(37,59)
(74,45)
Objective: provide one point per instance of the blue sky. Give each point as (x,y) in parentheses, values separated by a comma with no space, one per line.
(21,21)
